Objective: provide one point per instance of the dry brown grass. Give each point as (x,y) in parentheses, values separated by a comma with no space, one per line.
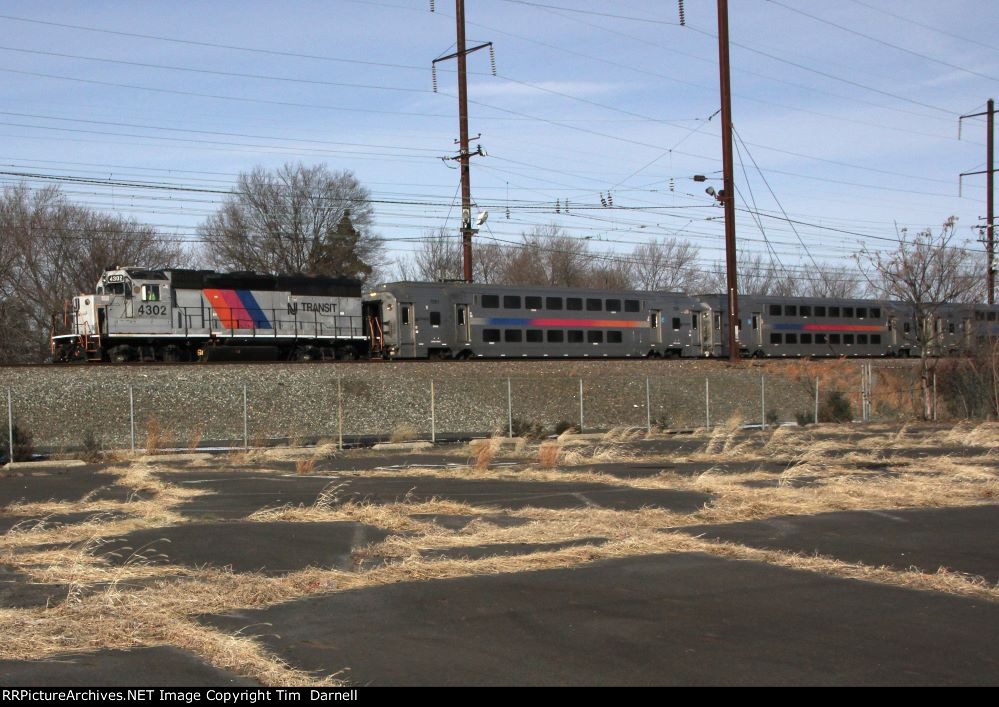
(549,453)
(144,603)
(404,433)
(305,466)
(155,436)
(194,441)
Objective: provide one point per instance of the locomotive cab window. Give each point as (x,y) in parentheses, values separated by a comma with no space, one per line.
(150,293)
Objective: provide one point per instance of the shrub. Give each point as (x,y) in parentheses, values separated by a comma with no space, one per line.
(805,418)
(91,447)
(529,430)
(24,443)
(835,408)
(564,426)
(773,417)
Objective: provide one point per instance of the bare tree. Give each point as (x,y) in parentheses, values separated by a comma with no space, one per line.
(832,281)
(924,272)
(757,276)
(667,265)
(439,257)
(54,249)
(295,219)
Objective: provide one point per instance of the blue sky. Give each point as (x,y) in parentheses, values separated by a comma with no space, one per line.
(853,134)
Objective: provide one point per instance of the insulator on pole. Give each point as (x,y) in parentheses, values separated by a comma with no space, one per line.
(434,9)
(683,20)
(433,76)
(558,208)
(610,199)
(492,59)
(603,201)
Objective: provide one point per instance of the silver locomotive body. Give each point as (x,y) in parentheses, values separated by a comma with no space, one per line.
(137,314)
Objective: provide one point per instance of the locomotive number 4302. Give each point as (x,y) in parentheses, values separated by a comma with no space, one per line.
(152,310)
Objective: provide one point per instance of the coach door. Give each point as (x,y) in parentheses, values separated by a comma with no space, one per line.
(757,325)
(655,328)
(462,335)
(407,324)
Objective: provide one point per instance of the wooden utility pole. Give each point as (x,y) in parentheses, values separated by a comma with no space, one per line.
(989,172)
(463,152)
(727,197)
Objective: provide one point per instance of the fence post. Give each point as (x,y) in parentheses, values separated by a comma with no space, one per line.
(707,403)
(934,395)
(763,402)
(433,414)
(131,417)
(815,420)
(648,406)
(509,408)
(580,405)
(339,412)
(10,422)
(246,428)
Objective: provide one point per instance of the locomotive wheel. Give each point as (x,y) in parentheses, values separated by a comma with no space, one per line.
(346,353)
(120,354)
(305,353)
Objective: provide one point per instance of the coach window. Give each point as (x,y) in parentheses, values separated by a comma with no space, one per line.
(632,305)
(805,310)
(774,338)
(575,336)
(848,312)
(875,313)
(556,336)
(513,336)
(791,310)
(862,339)
(553,303)
(861,313)
(405,315)
(435,319)
(490,301)
(790,338)
(615,337)
(511,301)
(848,339)
(490,336)
(654,320)
(532,302)
(806,338)
(574,304)
(613,305)
(834,338)
(676,323)
(775,310)
(820,311)
(821,339)
(594,305)
(595,336)
(535,336)
(834,311)
(992,316)
(876,339)
(756,322)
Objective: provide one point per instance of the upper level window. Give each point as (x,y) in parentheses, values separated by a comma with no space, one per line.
(511,301)
(848,312)
(834,311)
(775,310)
(490,301)
(791,310)
(613,305)
(553,303)
(861,313)
(594,305)
(820,311)
(632,305)
(805,310)
(532,302)
(875,313)
(574,304)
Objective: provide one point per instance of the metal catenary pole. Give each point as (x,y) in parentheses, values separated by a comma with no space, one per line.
(816,418)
